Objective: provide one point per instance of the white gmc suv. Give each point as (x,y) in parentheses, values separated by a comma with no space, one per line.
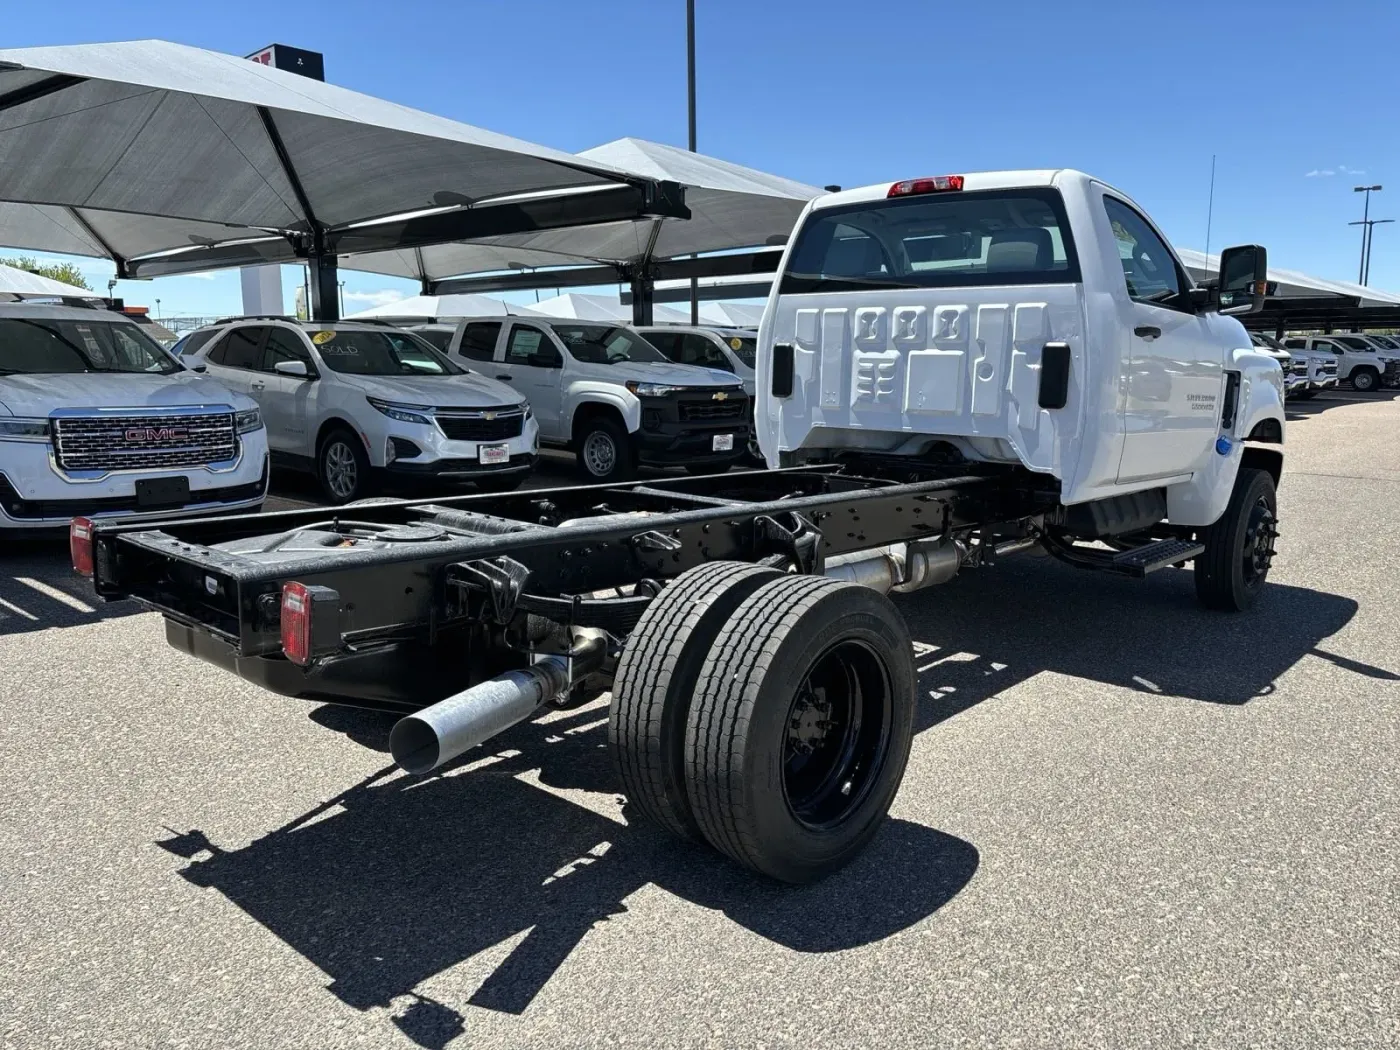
(356,400)
(97,420)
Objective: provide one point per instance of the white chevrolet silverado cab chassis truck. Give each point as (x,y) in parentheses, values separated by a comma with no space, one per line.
(950,370)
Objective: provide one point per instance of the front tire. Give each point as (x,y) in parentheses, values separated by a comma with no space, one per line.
(342,467)
(800,729)
(605,451)
(1364,380)
(1240,546)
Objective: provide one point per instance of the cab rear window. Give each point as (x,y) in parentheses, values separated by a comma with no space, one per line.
(945,240)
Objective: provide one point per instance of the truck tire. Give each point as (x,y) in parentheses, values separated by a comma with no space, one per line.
(1240,546)
(655,682)
(801,726)
(605,452)
(342,467)
(1365,380)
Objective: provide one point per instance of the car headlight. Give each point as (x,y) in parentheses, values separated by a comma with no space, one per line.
(653,389)
(529,412)
(20,429)
(248,420)
(419,414)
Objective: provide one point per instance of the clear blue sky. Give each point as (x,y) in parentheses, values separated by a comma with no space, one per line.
(1297,100)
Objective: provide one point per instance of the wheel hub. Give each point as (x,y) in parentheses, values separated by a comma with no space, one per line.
(1259,537)
(810,723)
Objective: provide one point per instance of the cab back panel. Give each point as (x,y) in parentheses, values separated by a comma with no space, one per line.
(955,362)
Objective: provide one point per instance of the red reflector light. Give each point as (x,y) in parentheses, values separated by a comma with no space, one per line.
(310,622)
(936,184)
(296,623)
(80,545)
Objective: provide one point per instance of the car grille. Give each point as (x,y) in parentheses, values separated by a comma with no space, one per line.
(480,424)
(1329,368)
(1299,368)
(136,442)
(711,410)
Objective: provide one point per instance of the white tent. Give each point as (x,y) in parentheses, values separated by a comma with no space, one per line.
(579,306)
(737,315)
(435,306)
(174,159)
(731,207)
(16,282)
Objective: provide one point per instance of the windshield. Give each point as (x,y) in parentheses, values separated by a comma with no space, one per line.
(33,346)
(361,353)
(597,344)
(1386,341)
(439,339)
(943,240)
(1268,341)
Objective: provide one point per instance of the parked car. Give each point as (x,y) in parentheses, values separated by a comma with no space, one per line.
(1295,373)
(727,349)
(438,333)
(98,420)
(191,343)
(1319,366)
(1359,361)
(349,400)
(608,395)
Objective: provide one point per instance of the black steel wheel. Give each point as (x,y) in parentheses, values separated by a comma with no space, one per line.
(800,729)
(1240,546)
(605,451)
(342,467)
(655,682)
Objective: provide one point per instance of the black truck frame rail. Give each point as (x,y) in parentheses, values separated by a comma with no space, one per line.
(548,552)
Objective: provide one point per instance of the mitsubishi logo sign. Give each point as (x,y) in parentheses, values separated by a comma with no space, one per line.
(148,435)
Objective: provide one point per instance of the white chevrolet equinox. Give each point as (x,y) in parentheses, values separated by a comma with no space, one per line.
(96,420)
(355,400)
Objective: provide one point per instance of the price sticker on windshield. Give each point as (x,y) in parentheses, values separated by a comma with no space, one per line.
(736,343)
(322,337)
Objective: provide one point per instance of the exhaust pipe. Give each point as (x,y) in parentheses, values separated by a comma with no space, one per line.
(900,567)
(425,740)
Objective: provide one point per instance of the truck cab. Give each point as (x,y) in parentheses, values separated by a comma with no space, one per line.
(1360,362)
(1031,317)
(605,393)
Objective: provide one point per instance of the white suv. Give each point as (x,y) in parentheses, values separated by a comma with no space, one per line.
(610,396)
(1359,361)
(350,399)
(97,420)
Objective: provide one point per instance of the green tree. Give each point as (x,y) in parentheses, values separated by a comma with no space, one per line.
(65,272)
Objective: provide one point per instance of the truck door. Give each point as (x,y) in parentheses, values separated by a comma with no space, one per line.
(1174,380)
(534,366)
(285,399)
(235,359)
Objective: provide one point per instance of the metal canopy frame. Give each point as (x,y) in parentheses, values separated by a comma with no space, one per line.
(1327,312)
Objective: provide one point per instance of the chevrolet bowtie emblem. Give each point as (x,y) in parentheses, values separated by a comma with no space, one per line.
(721,396)
(488,415)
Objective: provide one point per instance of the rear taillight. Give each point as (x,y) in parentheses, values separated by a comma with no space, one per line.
(310,622)
(936,184)
(80,545)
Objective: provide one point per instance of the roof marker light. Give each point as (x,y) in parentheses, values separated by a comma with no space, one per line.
(936,184)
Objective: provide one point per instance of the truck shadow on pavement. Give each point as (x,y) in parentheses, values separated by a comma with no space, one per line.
(401,878)
(38,590)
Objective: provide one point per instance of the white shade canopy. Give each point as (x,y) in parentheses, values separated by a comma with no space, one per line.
(731,207)
(580,306)
(16,282)
(136,148)
(738,315)
(435,306)
(1292,283)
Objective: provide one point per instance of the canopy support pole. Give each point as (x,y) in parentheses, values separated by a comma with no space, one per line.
(324,274)
(643,281)
(118,261)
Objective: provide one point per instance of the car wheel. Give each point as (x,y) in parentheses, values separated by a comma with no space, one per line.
(1365,380)
(1240,546)
(342,467)
(799,731)
(605,451)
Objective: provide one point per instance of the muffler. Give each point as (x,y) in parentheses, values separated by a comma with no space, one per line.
(900,567)
(425,740)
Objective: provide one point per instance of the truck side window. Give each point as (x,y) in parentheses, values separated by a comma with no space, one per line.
(530,346)
(479,340)
(1148,265)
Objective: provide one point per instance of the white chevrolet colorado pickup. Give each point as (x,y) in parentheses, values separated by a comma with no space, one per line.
(1035,318)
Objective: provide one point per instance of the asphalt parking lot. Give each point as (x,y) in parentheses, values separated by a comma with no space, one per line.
(1126,822)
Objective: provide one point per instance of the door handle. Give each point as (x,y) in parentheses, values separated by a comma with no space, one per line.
(259,386)
(1147,331)
(506,378)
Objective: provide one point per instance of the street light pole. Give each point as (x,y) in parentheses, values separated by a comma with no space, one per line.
(690,112)
(1370,237)
(1365,225)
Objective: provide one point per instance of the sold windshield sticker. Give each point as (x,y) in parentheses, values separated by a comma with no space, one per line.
(322,337)
(736,343)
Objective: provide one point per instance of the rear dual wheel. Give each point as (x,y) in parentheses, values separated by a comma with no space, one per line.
(796,728)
